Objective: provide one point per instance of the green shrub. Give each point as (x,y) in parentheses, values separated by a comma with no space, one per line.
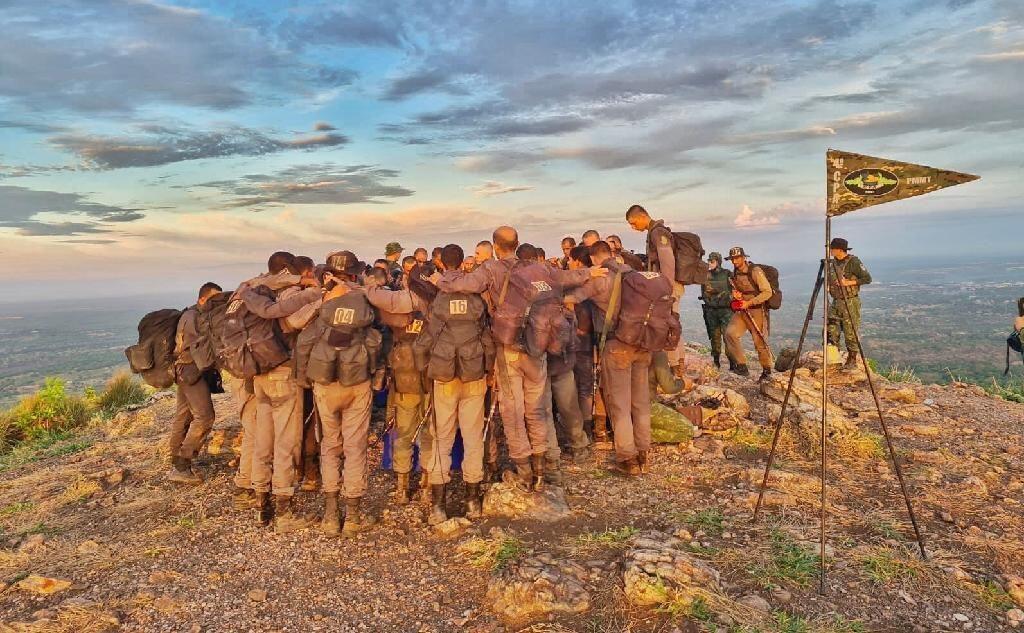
(121,391)
(50,410)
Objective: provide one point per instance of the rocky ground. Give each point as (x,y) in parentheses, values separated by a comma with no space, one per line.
(95,540)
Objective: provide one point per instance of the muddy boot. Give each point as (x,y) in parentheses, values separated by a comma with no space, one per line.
(765,375)
(181,472)
(286,521)
(262,505)
(437,512)
(741,370)
(402,489)
(310,475)
(537,464)
(244,498)
(552,472)
(717,360)
(331,525)
(356,520)
(851,361)
(582,455)
(628,468)
(600,429)
(474,504)
(491,472)
(641,461)
(523,474)
(588,429)
(732,365)
(424,488)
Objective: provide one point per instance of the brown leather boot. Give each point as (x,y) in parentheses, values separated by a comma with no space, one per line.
(402,489)
(285,520)
(263,512)
(331,525)
(356,520)
(437,511)
(537,464)
(641,461)
(474,504)
(851,361)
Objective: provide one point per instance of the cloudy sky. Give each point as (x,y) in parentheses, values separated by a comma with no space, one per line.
(148,145)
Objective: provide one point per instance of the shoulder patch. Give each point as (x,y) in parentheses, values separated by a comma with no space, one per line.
(664,240)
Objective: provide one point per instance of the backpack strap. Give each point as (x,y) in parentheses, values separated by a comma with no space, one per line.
(504,286)
(613,310)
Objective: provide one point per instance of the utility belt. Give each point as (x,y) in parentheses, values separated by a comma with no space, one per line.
(851,292)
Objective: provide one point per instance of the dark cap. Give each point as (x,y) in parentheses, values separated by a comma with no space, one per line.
(344,262)
(840,243)
(737,251)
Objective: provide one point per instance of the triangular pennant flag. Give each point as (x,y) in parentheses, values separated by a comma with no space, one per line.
(856,181)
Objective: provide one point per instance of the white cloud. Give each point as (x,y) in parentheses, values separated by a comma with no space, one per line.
(747,218)
(494,188)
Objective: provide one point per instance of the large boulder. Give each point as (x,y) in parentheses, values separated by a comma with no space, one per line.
(804,408)
(509,499)
(657,569)
(538,586)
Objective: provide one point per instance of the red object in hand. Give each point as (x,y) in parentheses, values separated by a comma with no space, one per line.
(736,305)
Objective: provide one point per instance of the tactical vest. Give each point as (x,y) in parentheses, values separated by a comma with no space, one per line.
(528,310)
(833,288)
(340,345)
(456,342)
(716,292)
(251,344)
(645,319)
(744,282)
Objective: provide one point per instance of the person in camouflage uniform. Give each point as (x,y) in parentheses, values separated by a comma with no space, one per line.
(844,317)
(717,295)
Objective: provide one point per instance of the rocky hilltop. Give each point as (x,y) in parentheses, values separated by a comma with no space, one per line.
(95,540)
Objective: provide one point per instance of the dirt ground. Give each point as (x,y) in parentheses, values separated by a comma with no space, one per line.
(139,554)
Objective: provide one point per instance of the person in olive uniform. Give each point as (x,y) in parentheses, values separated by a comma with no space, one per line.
(716,294)
(844,316)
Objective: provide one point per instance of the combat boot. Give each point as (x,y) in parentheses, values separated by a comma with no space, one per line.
(553,472)
(402,489)
(582,455)
(437,512)
(244,498)
(355,520)
(641,461)
(717,360)
(600,429)
(286,521)
(182,473)
(537,464)
(629,467)
(331,525)
(851,361)
(523,475)
(262,505)
(732,365)
(310,475)
(474,505)
(741,370)
(765,374)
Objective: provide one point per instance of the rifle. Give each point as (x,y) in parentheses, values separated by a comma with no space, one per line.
(490,413)
(609,315)
(758,332)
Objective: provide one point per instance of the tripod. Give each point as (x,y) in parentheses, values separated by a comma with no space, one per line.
(829,264)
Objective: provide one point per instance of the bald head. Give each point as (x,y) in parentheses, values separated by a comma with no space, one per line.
(506,240)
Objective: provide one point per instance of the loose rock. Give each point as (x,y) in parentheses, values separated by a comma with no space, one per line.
(508,499)
(536,587)
(657,569)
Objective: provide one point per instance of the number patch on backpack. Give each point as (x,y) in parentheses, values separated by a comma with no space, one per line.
(650,274)
(415,327)
(458,306)
(344,316)
(235,306)
(541,286)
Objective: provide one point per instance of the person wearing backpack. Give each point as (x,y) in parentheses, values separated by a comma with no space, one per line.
(716,295)
(661,257)
(844,316)
(255,330)
(338,354)
(456,353)
(508,284)
(193,413)
(751,292)
(635,317)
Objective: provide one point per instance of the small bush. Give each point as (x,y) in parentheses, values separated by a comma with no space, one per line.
(49,411)
(121,391)
(1011,389)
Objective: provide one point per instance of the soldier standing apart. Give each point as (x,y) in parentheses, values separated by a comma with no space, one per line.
(751,289)
(844,317)
(456,352)
(661,258)
(716,294)
(193,415)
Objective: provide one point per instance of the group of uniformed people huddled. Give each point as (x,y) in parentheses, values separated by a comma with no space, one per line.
(561,347)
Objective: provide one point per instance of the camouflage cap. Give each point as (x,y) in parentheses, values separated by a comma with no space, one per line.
(715,256)
(344,262)
(737,251)
(392,248)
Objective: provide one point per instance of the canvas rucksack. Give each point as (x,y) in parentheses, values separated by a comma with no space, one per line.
(250,344)
(771,273)
(153,356)
(340,345)
(456,342)
(401,359)
(645,317)
(528,314)
(210,327)
(691,267)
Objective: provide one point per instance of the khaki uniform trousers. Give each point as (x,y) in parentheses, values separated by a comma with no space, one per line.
(193,419)
(739,326)
(458,405)
(522,383)
(278,431)
(675,356)
(562,390)
(345,415)
(246,400)
(626,383)
(408,411)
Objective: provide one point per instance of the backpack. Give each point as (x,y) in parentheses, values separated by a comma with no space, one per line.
(401,358)
(456,343)
(691,268)
(210,327)
(153,356)
(771,273)
(528,315)
(1013,342)
(645,318)
(339,345)
(249,344)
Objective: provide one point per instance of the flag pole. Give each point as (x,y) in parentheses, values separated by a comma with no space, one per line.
(824,399)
